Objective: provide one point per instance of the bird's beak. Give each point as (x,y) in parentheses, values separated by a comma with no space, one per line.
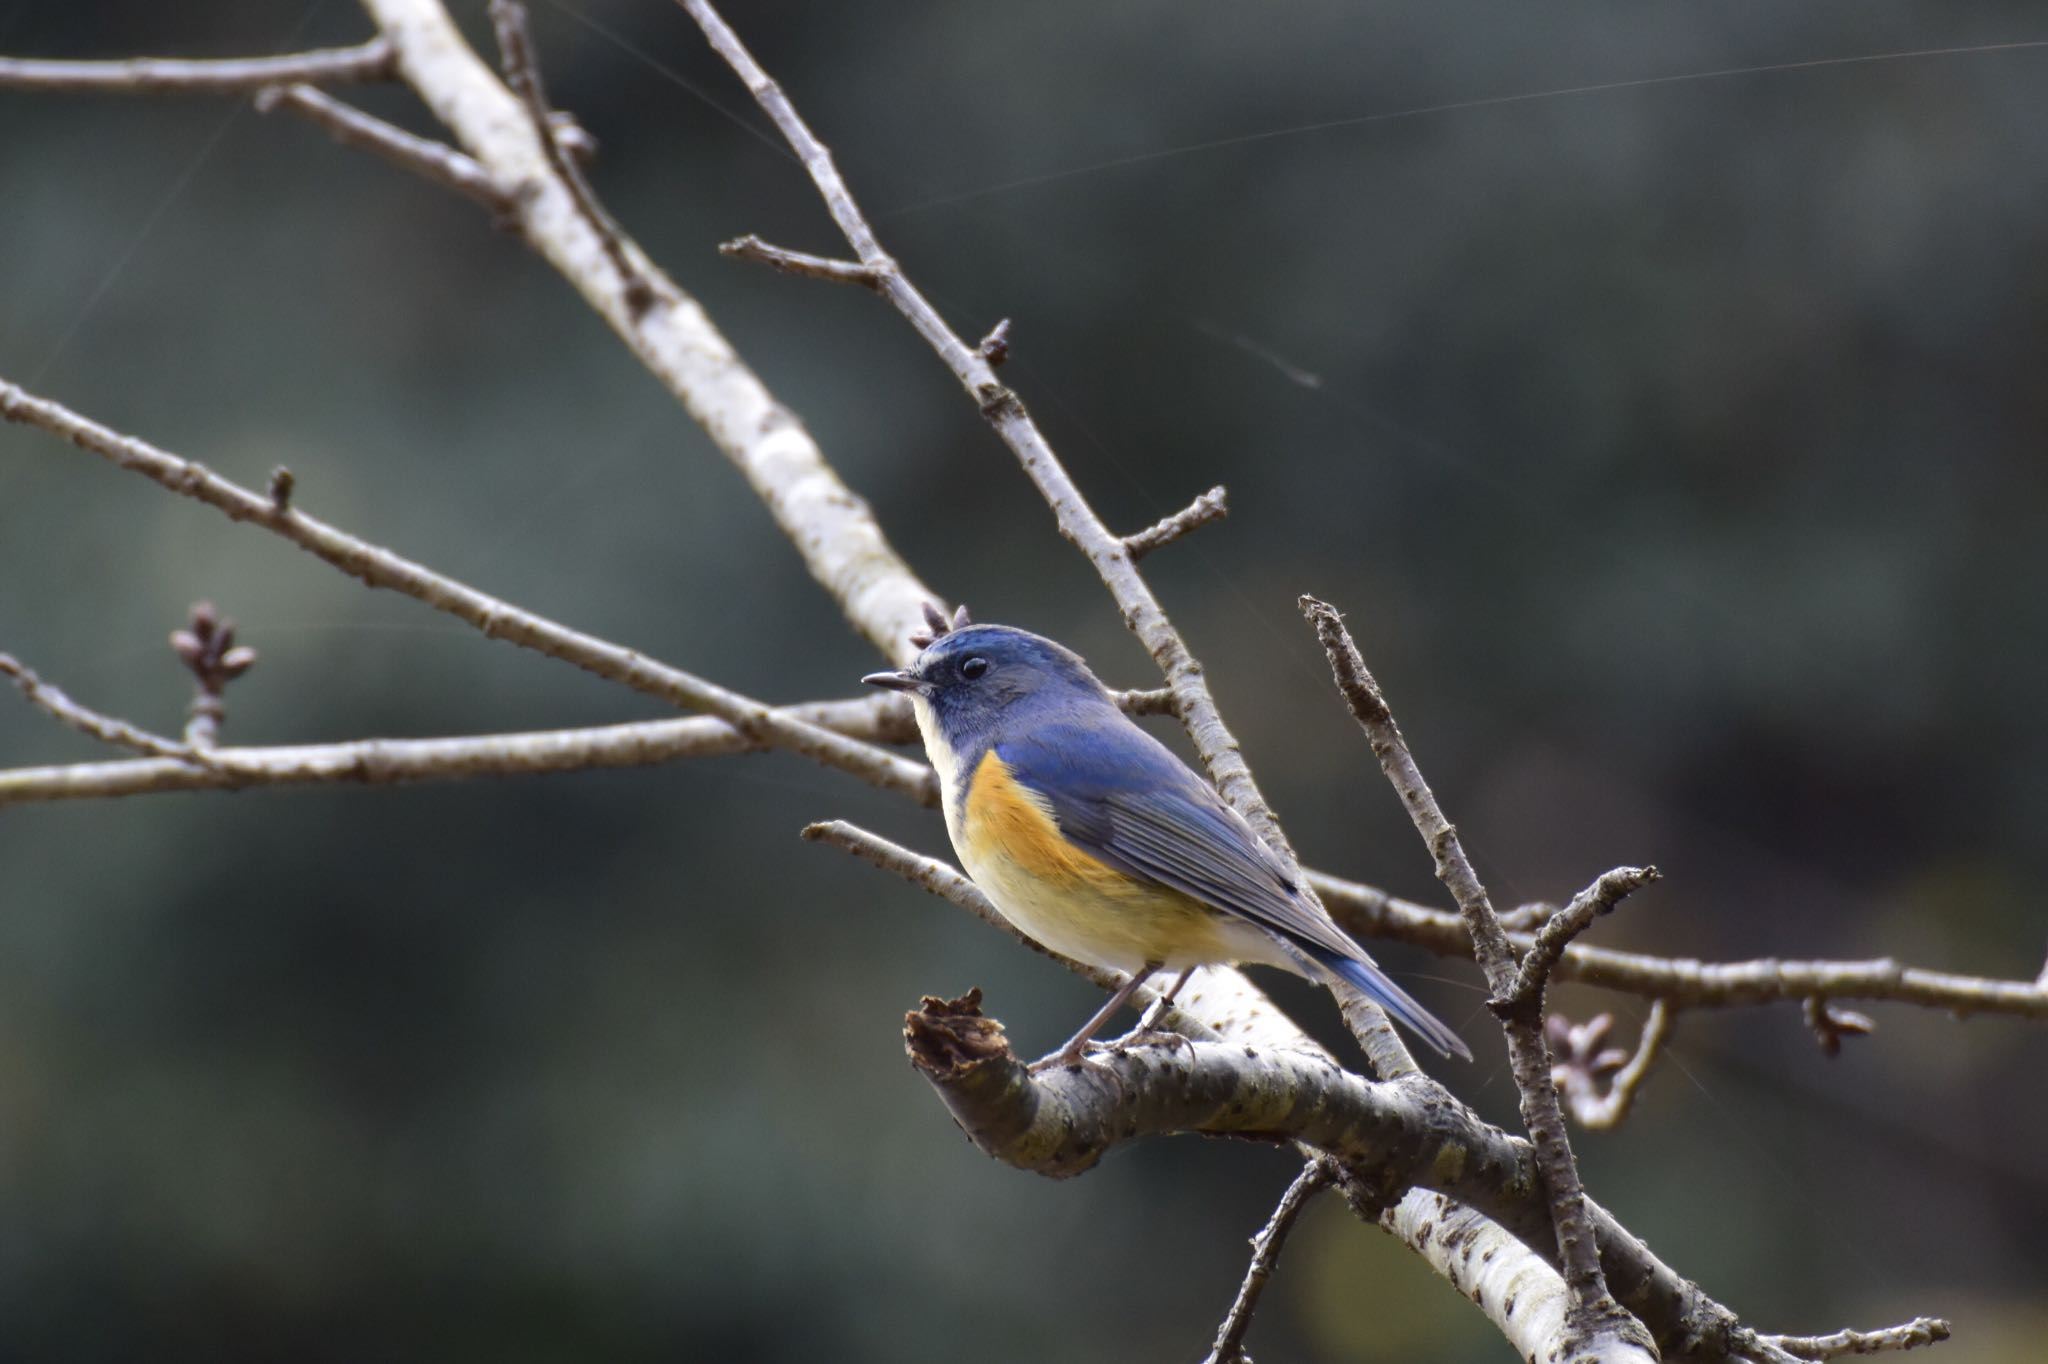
(905,680)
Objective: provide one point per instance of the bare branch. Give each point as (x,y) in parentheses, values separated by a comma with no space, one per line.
(1579,1061)
(371,61)
(1229,1347)
(85,720)
(391,762)
(423,156)
(1393,1136)
(1367,911)
(522,74)
(835,531)
(1596,1321)
(752,248)
(1208,507)
(1560,928)
(1912,1335)
(494,617)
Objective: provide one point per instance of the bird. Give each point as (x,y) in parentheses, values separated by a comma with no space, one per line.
(1095,840)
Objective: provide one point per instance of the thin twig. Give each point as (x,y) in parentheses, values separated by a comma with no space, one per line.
(1579,1061)
(1229,1347)
(752,248)
(423,156)
(1559,929)
(390,762)
(494,617)
(370,61)
(1210,506)
(1594,1315)
(1910,1336)
(522,73)
(108,730)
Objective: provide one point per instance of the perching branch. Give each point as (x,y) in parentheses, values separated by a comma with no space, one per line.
(370,61)
(1596,1323)
(493,617)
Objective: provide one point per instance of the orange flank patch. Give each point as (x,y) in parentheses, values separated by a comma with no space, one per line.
(1006,820)
(1071,901)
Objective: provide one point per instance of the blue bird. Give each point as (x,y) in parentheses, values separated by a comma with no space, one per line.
(1095,840)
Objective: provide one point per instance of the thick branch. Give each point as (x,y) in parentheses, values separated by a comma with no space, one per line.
(1392,1135)
(386,762)
(1596,1321)
(371,61)
(495,618)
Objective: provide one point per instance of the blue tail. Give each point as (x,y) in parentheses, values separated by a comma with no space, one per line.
(1398,1003)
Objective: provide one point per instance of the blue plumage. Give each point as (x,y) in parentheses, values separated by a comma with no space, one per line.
(1118,795)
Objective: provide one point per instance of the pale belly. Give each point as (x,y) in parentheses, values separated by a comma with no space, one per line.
(1122,929)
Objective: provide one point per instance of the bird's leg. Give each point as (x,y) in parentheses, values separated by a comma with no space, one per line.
(1070,1054)
(1150,1021)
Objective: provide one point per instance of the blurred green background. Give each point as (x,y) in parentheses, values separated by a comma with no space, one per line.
(1676,448)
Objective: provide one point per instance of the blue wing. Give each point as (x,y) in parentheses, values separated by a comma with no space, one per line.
(1122,796)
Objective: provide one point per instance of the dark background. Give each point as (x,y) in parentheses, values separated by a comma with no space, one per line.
(1677,449)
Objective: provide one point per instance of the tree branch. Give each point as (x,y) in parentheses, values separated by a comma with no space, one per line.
(1526,991)
(1596,1323)
(1370,912)
(495,618)
(752,248)
(390,762)
(370,61)
(85,720)
(423,156)
(1912,1335)
(1210,506)
(834,530)
(1229,1347)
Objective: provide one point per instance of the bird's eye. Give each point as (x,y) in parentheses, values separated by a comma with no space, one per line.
(974,667)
